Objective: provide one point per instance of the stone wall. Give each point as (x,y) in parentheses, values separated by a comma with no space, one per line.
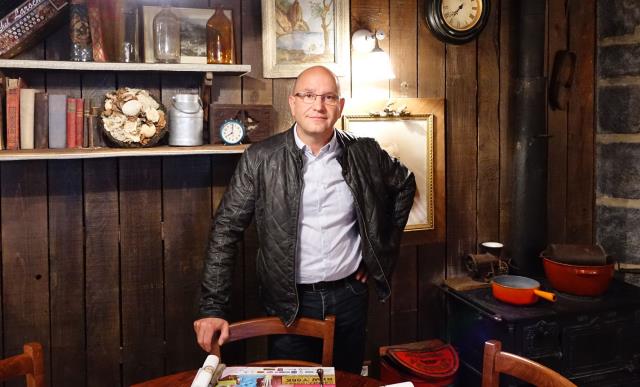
(618,132)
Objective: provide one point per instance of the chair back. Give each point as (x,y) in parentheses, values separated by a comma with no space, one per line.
(497,361)
(303,326)
(29,364)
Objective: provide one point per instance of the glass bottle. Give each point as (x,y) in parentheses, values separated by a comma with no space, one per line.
(128,46)
(166,36)
(220,38)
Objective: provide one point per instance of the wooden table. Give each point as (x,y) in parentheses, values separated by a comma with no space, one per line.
(184,379)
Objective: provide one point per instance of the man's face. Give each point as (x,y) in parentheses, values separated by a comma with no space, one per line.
(317,118)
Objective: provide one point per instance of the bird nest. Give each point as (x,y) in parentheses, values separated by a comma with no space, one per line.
(132,118)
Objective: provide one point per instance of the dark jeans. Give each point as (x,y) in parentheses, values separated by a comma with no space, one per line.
(346,299)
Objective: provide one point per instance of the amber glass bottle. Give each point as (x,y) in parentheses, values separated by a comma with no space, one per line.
(220,38)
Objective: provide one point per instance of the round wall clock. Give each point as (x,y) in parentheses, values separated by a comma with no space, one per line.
(456,21)
(232,132)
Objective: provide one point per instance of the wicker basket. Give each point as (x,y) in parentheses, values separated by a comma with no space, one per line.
(151,141)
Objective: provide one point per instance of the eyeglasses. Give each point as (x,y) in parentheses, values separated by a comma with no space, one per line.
(327,99)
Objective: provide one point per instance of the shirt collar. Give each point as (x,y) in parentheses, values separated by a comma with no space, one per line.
(331,146)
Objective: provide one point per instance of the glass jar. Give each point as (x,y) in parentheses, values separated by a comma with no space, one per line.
(220,38)
(166,36)
(81,48)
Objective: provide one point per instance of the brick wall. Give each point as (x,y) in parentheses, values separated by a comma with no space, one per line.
(618,132)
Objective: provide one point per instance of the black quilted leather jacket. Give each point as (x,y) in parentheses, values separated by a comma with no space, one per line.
(267,184)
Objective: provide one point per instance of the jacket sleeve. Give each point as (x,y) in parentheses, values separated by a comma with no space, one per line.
(232,217)
(402,184)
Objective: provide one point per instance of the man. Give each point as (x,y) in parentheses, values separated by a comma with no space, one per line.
(329,209)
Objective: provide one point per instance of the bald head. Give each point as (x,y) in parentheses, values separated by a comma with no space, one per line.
(315,71)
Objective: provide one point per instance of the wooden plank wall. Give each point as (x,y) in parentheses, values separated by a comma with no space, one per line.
(101,259)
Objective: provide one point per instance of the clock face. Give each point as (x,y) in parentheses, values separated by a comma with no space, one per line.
(232,132)
(461,15)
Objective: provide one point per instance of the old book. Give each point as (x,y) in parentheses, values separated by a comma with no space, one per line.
(95,25)
(57,121)
(27,112)
(13,112)
(96,136)
(3,96)
(28,24)
(71,123)
(79,122)
(41,121)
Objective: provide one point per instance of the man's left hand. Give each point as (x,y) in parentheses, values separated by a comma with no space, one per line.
(362,275)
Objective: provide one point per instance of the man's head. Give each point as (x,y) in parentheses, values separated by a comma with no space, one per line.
(315,103)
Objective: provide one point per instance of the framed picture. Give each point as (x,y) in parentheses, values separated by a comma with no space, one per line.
(410,140)
(193,32)
(297,34)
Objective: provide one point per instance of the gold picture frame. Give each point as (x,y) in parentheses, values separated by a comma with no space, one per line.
(297,34)
(411,140)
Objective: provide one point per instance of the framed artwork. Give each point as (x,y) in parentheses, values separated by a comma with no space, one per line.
(193,32)
(297,34)
(410,139)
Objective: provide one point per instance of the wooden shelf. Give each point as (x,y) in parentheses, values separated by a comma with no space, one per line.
(93,153)
(236,69)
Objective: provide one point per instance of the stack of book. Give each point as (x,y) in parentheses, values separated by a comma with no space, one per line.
(39,120)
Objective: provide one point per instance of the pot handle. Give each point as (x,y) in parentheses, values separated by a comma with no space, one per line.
(586,273)
(546,295)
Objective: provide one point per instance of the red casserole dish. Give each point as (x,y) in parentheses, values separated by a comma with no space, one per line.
(576,279)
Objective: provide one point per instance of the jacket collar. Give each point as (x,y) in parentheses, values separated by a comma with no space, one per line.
(343,138)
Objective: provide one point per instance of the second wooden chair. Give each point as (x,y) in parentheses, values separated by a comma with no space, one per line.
(497,361)
(29,364)
(303,326)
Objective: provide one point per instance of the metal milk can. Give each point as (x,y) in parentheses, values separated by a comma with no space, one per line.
(185,118)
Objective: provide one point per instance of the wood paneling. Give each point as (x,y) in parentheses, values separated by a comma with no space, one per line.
(101,259)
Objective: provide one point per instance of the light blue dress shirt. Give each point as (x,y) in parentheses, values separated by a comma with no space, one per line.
(329,242)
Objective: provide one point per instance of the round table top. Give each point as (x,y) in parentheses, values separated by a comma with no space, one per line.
(184,379)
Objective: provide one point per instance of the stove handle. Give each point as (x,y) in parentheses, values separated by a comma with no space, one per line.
(482,311)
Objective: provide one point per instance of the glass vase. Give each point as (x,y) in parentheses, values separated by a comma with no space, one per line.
(220,38)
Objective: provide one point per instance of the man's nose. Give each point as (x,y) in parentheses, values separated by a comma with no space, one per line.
(318,103)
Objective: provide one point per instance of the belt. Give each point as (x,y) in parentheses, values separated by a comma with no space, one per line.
(326,285)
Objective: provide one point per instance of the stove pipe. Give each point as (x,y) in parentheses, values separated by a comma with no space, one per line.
(528,232)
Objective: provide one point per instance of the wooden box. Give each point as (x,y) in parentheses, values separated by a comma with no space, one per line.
(257,119)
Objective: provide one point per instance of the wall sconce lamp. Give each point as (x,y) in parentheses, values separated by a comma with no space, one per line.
(377,66)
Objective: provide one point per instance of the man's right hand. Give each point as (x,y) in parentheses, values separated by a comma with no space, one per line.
(209,327)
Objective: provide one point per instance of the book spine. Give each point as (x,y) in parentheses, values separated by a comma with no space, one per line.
(27,113)
(57,121)
(79,122)
(3,96)
(13,118)
(41,121)
(97,137)
(97,36)
(71,122)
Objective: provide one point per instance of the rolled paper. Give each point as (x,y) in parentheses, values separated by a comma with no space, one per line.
(205,374)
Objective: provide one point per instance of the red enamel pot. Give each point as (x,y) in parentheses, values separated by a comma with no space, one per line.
(518,290)
(577,279)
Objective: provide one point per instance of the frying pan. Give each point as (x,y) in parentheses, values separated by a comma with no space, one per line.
(518,290)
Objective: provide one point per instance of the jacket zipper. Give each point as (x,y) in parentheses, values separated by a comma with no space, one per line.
(295,243)
(366,234)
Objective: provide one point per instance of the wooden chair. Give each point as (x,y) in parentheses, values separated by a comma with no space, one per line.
(30,364)
(496,362)
(303,326)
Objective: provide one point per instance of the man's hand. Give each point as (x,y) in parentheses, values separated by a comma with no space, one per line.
(209,327)
(361,274)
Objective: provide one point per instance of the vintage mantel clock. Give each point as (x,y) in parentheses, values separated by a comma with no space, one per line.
(232,132)
(456,21)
